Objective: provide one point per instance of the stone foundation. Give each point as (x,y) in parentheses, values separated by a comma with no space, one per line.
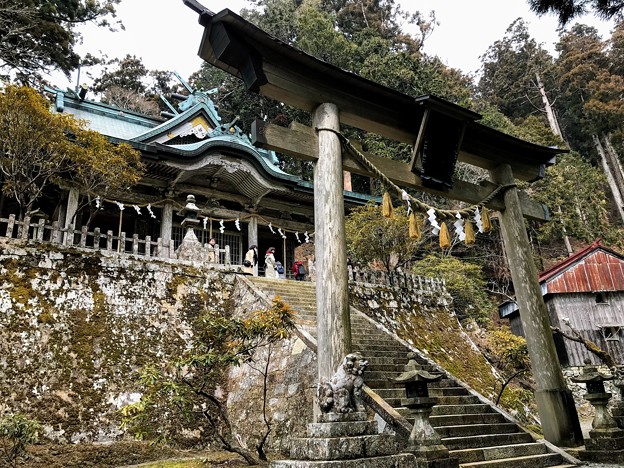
(77,326)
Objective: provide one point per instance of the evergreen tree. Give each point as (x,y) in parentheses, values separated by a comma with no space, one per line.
(567,10)
(39,35)
(514,72)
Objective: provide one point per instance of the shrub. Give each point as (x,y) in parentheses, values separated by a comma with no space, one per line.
(465,283)
(17,432)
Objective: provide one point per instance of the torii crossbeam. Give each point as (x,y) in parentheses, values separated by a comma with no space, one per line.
(334,97)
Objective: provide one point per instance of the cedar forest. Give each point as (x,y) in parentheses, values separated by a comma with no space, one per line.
(572,100)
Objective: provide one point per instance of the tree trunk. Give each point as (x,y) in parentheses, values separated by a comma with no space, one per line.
(566,239)
(617,195)
(550,112)
(614,162)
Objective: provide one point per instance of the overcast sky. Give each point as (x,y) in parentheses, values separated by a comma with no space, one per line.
(166,34)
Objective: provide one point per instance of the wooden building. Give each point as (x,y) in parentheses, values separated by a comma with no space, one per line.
(586,290)
(244,196)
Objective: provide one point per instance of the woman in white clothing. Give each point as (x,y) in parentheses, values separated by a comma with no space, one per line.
(269,263)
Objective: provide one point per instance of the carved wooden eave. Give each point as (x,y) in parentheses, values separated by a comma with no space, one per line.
(272,68)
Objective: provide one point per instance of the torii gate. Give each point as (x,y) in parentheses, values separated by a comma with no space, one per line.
(440,133)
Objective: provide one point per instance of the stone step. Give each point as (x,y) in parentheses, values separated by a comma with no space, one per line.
(373,348)
(400,460)
(380,360)
(341,448)
(398,355)
(393,369)
(447,391)
(298,303)
(308,306)
(370,376)
(530,461)
(478,408)
(486,440)
(382,380)
(458,400)
(381,345)
(459,419)
(386,393)
(399,369)
(476,429)
(474,455)
(375,337)
(342,429)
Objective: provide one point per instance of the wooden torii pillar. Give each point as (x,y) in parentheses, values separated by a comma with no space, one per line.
(334,97)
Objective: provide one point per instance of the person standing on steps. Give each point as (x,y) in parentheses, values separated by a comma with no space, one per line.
(280,271)
(299,271)
(269,263)
(251,260)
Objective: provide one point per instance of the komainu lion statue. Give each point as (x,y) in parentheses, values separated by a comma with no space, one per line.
(343,392)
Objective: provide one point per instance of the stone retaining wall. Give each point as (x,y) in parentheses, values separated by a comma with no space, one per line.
(290,386)
(77,326)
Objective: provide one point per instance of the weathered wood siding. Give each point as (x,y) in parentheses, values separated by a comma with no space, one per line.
(585,315)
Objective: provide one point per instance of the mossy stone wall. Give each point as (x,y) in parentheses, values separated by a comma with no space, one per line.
(424,318)
(76,327)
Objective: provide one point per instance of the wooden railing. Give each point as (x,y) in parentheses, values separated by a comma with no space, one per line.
(43,232)
(398,279)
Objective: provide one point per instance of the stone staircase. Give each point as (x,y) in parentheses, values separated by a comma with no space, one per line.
(474,431)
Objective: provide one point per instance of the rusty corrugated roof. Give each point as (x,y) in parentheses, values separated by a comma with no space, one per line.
(594,268)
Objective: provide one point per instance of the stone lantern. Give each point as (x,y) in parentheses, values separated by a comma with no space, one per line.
(190,248)
(606,439)
(618,409)
(424,442)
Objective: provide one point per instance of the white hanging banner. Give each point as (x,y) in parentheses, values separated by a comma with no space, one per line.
(459,227)
(477,219)
(434,222)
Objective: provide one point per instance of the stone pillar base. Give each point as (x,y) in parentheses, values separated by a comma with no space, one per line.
(433,456)
(559,418)
(345,441)
(604,446)
(190,248)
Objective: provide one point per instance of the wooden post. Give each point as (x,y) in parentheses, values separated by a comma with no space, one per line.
(148,246)
(109,240)
(96,238)
(55,236)
(70,212)
(120,248)
(554,401)
(83,236)
(40,230)
(252,237)
(166,228)
(25,228)
(135,244)
(10,225)
(69,235)
(333,321)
